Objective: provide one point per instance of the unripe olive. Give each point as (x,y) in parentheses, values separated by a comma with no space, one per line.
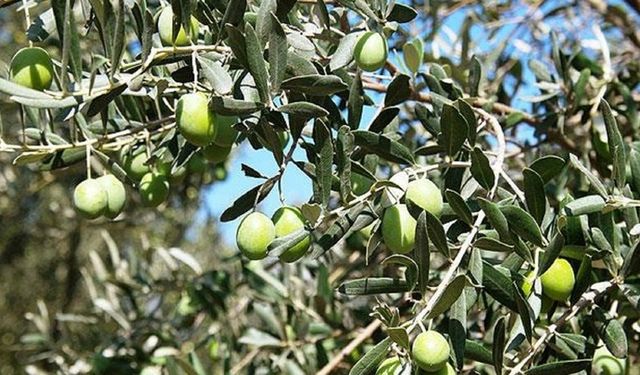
(426,195)
(195,120)
(32,67)
(116,195)
(134,165)
(165,29)
(215,153)
(558,281)
(604,363)
(255,233)
(288,220)
(390,366)
(398,229)
(154,189)
(90,198)
(360,184)
(430,351)
(370,51)
(359,239)
(226,135)
(446,370)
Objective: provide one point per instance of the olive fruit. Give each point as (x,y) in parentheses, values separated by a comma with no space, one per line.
(558,281)
(154,189)
(390,366)
(255,233)
(32,67)
(116,195)
(288,220)
(165,29)
(430,351)
(90,198)
(371,51)
(426,195)
(398,229)
(360,238)
(446,370)
(216,153)
(134,164)
(360,184)
(195,120)
(605,363)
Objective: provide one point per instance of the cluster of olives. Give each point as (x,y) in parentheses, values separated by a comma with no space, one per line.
(256,232)
(398,226)
(430,352)
(104,195)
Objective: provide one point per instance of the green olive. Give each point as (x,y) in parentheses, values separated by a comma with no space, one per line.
(90,198)
(165,29)
(398,229)
(558,281)
(154,189)
(426,195)
(605,363)
(390,366)
(446,370)
(135,164)
(371,51)
(255,233)
(195,119)
(32,67)
(215,153)
(430,351)
(116,195)
(288,220)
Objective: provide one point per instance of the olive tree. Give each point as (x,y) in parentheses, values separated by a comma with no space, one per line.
(475,175)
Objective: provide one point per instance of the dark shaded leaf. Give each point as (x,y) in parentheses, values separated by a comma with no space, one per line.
(398,91)
(256,63)
(548,166)
(534,194)
(454,129)
(383,119)
(459,206)
(616,145)
(372,358)
(451,293)
(277,53)
(560,367)
(315,84)
(523,224)
(481,169)
(374,285)
(383,147)
(498,344)
(304,109)
(247,201)
(498,286)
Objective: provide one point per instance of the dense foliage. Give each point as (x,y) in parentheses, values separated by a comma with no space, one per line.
(475,170)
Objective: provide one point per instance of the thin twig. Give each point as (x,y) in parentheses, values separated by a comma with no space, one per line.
(365,334)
